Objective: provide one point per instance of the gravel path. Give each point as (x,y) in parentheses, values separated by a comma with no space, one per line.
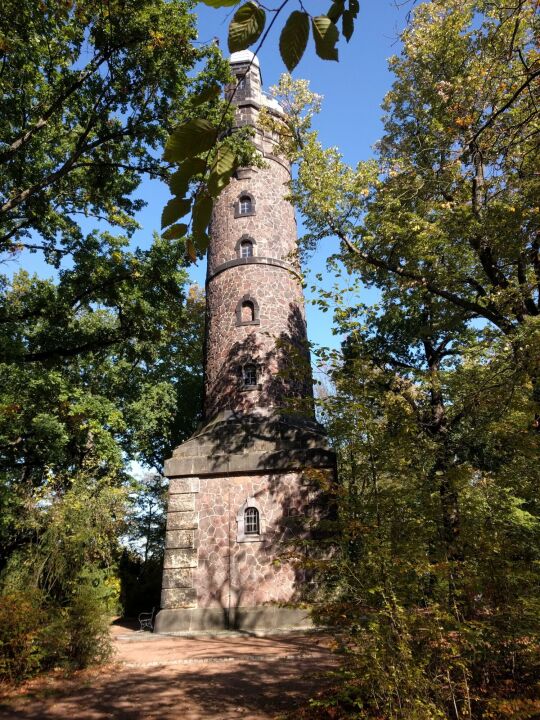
(186,678)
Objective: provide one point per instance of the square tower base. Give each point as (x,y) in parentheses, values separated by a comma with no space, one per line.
(232,522)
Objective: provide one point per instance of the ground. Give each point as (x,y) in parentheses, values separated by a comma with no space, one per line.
(189,678)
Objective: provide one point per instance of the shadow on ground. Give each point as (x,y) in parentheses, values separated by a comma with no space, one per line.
(252,683)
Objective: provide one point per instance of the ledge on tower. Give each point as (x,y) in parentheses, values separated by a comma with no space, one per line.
(232,443)
(244,56)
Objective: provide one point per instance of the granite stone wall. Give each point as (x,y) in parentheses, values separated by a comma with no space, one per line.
(209,565)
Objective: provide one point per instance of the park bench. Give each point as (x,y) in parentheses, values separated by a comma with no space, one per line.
(146,620)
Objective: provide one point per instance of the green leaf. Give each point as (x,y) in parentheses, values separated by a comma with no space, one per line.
(174,209)
(202,212)
(207,93)
(190,247)
(180,180)
(354,7)
(220,3)
(347,25)
(326,35)
(202,241)
(175,232)
(293,39)
(190,139)
(222,170)
(336,10)
(246,26)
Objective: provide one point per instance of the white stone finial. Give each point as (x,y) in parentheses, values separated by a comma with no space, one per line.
(244,56)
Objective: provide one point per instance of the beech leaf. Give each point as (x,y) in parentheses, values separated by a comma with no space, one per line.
(293,39)
(190,139)
(174,209)
(175,231)
(179,181)
(246,26)
(326,35)
(222,170)
(207,93)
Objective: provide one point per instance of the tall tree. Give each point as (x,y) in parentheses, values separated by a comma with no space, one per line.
(433,577)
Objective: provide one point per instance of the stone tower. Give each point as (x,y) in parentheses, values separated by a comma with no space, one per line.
(237,487)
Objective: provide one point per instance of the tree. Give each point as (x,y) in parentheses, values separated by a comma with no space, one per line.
(89,94)
(432,576)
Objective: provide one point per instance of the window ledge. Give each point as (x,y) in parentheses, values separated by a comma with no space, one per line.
(250,538)
(250,388)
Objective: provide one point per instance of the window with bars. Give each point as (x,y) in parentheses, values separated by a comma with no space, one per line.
(246,248)
(245,205)
(252,524)
(249,374)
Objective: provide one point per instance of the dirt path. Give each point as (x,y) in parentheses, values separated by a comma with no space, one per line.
(184,678)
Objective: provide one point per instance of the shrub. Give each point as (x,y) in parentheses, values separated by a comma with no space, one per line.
(22,623)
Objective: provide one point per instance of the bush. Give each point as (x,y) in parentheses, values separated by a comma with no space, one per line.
(22,623)
(87,627)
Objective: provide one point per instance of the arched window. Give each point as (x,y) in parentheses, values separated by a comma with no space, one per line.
(249,374)
(248,311)
(245,206)
(246,248)
(252,524)
(241,82)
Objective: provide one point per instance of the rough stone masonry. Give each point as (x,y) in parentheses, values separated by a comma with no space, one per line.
(240,488)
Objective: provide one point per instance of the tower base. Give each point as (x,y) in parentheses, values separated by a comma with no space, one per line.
(263,619)
(220,571)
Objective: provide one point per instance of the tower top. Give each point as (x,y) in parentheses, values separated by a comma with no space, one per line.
(244,56)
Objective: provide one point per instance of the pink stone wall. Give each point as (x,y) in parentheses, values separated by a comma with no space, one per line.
(259,571)
(276,343)
(272,226)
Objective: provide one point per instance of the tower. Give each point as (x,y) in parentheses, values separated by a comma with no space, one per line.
(237,488)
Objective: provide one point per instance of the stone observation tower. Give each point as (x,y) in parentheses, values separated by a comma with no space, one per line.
(238,489)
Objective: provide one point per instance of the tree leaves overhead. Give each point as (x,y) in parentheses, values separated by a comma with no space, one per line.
(180,180)
(326,35)
(220,3)
(202,212)
(174,209)
(208,93)
(246,26)
(294,38)
(175,232)
(222,170)
(347,25)
(190,139)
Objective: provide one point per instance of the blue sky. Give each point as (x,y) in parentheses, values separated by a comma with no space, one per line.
(352,88)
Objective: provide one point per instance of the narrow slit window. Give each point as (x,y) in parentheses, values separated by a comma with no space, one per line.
(241,81)
(246,248)
(248,311)
(245,205)
(252,524)
(250,375)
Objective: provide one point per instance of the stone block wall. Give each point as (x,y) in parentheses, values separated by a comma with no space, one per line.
(211,566)
(277,342)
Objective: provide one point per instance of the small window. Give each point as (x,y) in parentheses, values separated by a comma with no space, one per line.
(246,248)
(249,374)
(247,312)
(251,521)
(245,205)
(240,82)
